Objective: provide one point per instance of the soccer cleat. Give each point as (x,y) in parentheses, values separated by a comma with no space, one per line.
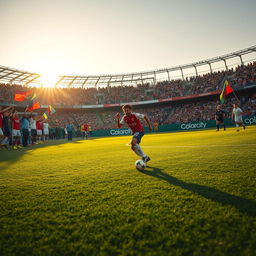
(145,159)
(15,147)
(244,127)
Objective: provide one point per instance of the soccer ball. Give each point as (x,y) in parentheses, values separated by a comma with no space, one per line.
(140,165)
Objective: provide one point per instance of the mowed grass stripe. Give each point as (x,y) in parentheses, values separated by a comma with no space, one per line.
(87,198)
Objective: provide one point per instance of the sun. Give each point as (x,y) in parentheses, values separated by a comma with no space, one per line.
(48,79)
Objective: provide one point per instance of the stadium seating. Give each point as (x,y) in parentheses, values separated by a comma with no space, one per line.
(66,98)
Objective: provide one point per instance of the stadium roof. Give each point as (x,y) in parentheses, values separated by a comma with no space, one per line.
(15,76)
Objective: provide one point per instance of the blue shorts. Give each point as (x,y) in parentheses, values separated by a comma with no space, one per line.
(138,136)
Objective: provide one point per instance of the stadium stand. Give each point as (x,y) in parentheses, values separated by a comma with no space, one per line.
(166,102)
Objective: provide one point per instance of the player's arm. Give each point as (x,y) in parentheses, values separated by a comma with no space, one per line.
(148,122)
(119,125)
(5,109)
(242,112)
(41,118)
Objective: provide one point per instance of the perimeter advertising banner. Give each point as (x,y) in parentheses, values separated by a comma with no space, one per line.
(196,125)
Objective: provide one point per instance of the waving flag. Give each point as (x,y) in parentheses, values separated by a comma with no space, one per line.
(21,96)
(34,106)
(33,103)
(225,91)
(49,111)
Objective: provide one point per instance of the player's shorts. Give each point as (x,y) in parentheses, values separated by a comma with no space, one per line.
(138,136)
(1,131)
(39,132)
(220,120)
(238,119)
(16,132)
(46,132)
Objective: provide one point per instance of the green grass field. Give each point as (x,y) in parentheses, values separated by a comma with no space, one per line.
(196,197)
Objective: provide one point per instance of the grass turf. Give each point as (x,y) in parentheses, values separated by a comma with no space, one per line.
(196,197)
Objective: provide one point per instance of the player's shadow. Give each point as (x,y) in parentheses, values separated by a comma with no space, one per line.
(246,206)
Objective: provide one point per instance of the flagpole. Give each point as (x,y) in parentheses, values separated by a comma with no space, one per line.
(236,96)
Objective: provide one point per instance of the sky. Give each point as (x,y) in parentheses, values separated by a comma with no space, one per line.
(88,37)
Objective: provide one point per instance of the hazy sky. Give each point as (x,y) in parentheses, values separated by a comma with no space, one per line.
(115,36)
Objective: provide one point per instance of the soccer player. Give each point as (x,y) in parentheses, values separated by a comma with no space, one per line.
(155,126)
(86,130)
(3,139)
(33,130)
(237,116)
(16,130)
(132,120)
(219,118)
(82,131)
(39,128)
(7,128)
(24,124)
(70,129)
(45,131)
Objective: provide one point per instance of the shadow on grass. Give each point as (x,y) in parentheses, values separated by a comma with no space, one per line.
(244,205)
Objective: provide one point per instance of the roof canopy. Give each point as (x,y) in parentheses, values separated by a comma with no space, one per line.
(15,76)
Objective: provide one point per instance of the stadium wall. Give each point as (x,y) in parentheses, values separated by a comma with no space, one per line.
(196,125)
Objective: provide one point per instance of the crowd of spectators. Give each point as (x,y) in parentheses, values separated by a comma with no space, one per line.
(175,113)
(240,76)
(103,118)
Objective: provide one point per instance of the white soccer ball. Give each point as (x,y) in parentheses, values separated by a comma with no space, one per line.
(140,165)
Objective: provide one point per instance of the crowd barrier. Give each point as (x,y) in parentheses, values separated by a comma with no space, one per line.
(196,125)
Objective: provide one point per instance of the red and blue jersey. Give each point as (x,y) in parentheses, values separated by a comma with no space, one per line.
(133,122)
(15,123)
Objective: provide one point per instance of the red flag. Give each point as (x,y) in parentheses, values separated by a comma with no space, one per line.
(34,106)
(228,90)
(21,96)
(225,91)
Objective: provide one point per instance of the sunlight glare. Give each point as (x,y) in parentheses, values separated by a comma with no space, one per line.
(48,79)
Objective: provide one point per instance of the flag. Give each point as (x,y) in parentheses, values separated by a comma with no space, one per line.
(32,103)
(49,111)
(225,91)
(32,97)
(21,96)
(34,106)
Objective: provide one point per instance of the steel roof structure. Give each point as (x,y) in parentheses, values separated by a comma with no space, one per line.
(15,76)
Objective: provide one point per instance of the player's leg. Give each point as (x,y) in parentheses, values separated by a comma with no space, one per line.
(237,126)
(19,139)
(6,140)
(2,138)
(137,148)
(240,121)
(14,139)
(217,125)
(224,126)
(242,125)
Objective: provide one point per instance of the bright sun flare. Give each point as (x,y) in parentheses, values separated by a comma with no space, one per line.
(48,80)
